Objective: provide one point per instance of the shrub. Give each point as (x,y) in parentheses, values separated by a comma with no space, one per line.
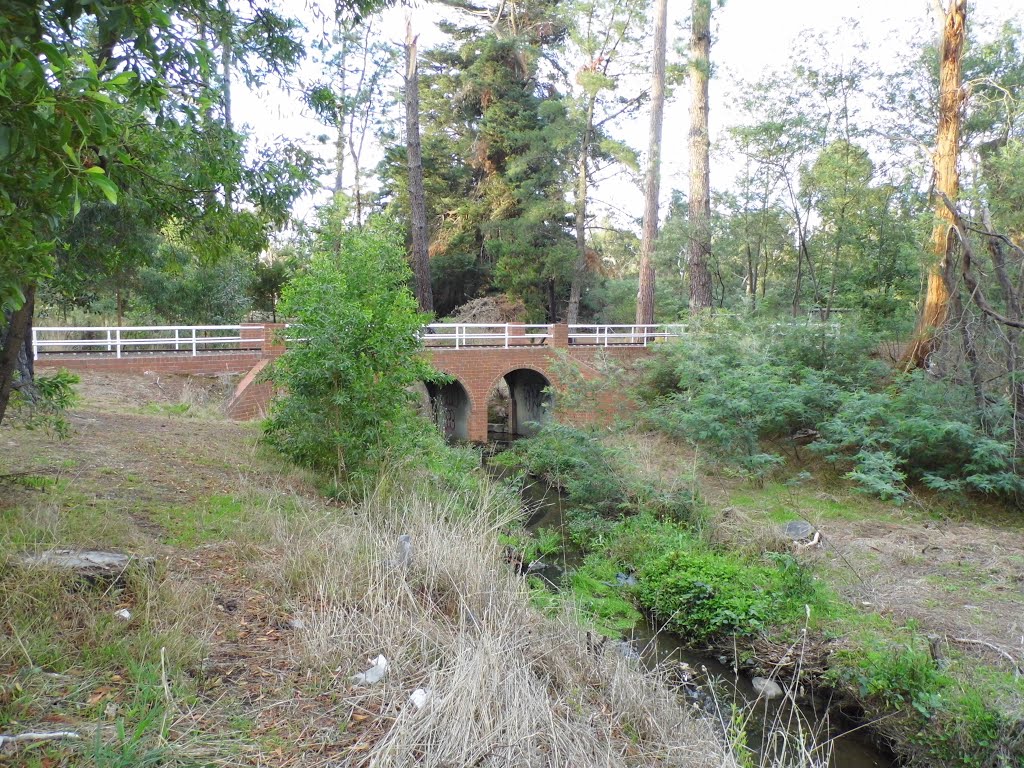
(575,461)
(352,355)
(730,393)
(924,430)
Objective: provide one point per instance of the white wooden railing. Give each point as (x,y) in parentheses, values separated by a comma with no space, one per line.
(121,340)
(610,335)
(197,339)
(461,335)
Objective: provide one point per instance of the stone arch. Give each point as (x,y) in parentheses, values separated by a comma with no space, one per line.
(451,407)
(529,404)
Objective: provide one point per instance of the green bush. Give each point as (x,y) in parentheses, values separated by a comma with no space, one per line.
(575,461)
(923,430)
(352,355)
(731,392)
(702,593)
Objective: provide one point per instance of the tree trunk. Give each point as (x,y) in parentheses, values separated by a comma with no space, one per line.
(946,180)
(341,142)
(16,351)
(226,64)
(579,271)
(700,146)
(645,292)
(417,201)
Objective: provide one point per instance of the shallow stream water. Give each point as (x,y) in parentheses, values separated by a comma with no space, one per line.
(717,685)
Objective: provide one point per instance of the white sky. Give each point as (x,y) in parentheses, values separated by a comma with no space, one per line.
(751,38)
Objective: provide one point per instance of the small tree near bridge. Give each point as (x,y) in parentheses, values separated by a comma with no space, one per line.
(352,354)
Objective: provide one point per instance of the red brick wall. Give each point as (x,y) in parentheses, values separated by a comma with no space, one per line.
(213,362)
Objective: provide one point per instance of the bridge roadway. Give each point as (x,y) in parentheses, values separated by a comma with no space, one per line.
(520,361)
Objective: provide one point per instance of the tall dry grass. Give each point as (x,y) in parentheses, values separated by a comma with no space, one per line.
(508,685)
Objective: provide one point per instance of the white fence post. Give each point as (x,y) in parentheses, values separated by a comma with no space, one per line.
(117,338)
(193,341)
(108,340)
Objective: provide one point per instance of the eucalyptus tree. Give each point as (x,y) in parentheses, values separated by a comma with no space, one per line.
(946,182)
(359,69)
(605,43)
(90,92)
(652,180)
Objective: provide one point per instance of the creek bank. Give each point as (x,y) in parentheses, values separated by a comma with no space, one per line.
(872,670)
(713,674)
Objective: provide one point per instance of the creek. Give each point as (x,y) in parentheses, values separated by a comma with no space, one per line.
(714,679)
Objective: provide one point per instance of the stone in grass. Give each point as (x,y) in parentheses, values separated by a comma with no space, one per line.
(798,530)
(765,688)
(89,564)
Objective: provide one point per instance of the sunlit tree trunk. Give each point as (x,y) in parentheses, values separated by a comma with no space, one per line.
(645,292)
(946,180)
(700,146)
(417,201)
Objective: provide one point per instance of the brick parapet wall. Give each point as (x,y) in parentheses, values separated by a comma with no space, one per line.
(209,363)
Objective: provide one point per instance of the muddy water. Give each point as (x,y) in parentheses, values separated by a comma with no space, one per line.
(716,686)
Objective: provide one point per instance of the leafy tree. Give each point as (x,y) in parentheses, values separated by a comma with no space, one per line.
(605,39)
(495,139)
(85,88)
(353,353)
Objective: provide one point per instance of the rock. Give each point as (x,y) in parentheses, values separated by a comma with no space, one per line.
(797,530)
(124,614)
(765,688)
(296,623)
(374,674)
(88,564)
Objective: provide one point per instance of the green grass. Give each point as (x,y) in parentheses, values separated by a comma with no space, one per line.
(217,518)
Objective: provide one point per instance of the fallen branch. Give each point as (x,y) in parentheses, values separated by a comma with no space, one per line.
(36,736)
(996,648)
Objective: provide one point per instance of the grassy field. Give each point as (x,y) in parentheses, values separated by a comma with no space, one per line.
(263,598)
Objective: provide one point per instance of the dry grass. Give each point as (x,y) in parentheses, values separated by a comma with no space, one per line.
(508,685)
(212,669)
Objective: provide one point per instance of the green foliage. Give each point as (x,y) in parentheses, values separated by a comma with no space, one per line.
(703,593)
(352,356)
(738,394)
(606,603)
(731,391)
(575,461)
(46,403)
(923,430)
(591,475)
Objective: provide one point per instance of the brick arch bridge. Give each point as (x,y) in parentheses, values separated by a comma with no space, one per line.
(477,358)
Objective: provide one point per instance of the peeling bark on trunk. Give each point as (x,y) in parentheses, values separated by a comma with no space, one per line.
(645,292)
(700,146)
(947,181)
(16,368)
(417,201)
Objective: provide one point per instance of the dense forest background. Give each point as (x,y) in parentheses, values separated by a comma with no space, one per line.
(822,181)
